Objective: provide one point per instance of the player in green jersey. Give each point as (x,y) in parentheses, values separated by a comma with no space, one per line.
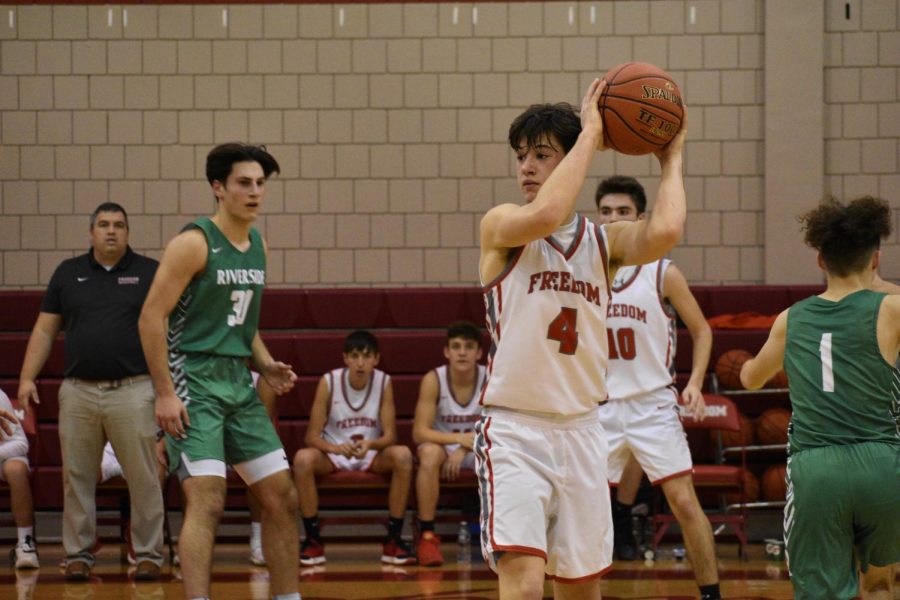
(208,290)
(839,351)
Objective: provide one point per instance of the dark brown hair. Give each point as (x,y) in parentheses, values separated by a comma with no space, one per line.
(847,235)
(540,120)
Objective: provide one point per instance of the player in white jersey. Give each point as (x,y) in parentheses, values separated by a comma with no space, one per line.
(352,428)
(545,502)
(16,472)
(444,428)
(641,419)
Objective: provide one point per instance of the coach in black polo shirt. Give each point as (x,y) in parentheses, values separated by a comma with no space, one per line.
(107,393)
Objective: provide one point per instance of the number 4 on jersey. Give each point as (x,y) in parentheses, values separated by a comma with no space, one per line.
(562,329)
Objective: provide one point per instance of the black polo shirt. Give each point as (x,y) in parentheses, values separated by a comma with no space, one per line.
(100,311)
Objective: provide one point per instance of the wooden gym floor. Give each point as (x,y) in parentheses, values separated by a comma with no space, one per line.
(353,571)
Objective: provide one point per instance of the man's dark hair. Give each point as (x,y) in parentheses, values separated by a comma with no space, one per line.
(540,120)
(108,207)
(622,184)
(465,330)
(221,158)
(847,235)
(360,340)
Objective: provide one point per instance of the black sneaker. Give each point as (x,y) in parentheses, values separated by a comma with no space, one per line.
(624,544)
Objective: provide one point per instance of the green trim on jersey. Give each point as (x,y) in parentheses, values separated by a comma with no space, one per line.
(218,312)
(842,390)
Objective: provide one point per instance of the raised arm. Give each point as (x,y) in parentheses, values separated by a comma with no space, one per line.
(676,289)
(45,330)
(758,370)
(643,241)
(184,258)
(511,225)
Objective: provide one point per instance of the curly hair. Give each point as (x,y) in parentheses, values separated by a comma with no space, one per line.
(540,120)
(847,235)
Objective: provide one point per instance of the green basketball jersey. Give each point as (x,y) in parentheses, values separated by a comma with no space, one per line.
(218,312)
(842,390)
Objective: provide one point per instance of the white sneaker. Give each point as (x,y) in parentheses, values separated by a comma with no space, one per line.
(25,555)
(256,556)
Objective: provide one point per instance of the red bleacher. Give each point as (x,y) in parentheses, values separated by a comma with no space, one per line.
(307,327)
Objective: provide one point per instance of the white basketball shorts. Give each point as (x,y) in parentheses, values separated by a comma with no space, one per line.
(649,427)
(543,491)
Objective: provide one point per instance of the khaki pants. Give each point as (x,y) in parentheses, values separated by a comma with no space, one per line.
(88,416)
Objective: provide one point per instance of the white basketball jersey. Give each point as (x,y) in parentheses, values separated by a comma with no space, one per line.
(353,415)
(546,313)
(641,330)
(452,416)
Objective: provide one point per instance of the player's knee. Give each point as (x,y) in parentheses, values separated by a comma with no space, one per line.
(210,505)
(431,456)
(16,472)
(304,461)
(528,587)
(402,458)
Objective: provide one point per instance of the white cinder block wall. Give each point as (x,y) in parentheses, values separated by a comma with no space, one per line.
(390,121)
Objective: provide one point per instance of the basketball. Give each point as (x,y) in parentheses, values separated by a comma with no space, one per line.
(780,380)
(773,484)
(728,368)
(730,439)
(751,489)
(641,108)
(772,426)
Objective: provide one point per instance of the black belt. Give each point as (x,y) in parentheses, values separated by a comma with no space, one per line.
(110,384)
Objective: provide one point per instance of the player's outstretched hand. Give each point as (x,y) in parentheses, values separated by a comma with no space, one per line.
(694,403)
(172,415)
(279,376)
(590,111)
(676,146)
(450,470)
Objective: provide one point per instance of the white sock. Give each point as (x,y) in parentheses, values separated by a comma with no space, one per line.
(255,533)
(293,596)
(25,531)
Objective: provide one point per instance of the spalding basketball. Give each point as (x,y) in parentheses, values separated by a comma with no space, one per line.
(772,426)
(773,484)
(641,108)
(730,439)
(728,368)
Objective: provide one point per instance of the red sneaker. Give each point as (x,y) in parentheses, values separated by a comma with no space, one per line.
(397,552)
(429,550)
(312,552)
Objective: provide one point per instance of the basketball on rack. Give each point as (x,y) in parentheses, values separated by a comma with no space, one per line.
(641,108)
(773,484)
(730,439)
(751,489)
(772,426)
(780,380)
(728,368)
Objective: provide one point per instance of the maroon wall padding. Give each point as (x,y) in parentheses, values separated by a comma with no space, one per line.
(347,308)
(306,328)
(19,309)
